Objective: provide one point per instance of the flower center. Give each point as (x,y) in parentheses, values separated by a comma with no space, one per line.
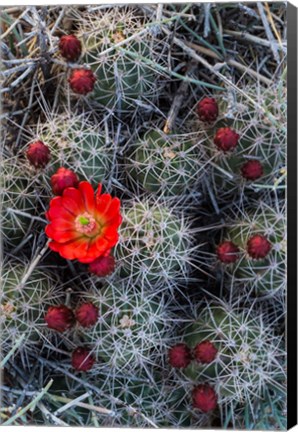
(85,223)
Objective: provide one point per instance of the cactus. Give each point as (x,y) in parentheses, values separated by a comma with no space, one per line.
(258,115)
(138,403)
(169,164)
(249,356)
(266,276)
(75,143)
(18,202)
(23,304)
(123,78)
(155,244)
(131,328)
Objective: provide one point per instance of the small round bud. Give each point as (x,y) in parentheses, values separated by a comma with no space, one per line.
(59,318)
(70,47)
(63,179)
(258,247)
(82,359)
(227,252)
(204,398)
(226,139)
(102,266)
(207,109)
(179,356)
(82,81)
(87,314)
(252,170)
(205,352)
(38,154)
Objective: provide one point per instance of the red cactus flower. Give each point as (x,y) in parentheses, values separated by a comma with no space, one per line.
(226,139)
(82,81)
(63,179)
(59,318)
(204,398)
(103,266)
(70,47)
(252,170)
(207,109)
(82,226)
(82,359)
(205,352)
(87,314)
(258,246)
(38,154)
(179,356)
(227,252)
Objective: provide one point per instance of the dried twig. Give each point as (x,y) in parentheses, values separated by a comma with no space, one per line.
(254,39)
(268,32)
(232,63)
(176,105)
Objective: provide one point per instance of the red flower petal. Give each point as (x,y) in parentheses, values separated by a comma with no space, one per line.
(110,233)
(98,192)
(73,249)
(87,193)
(61,225)
(62,236)
(54,246)
(59,212)
(103,203)
(113,209)
(72,198)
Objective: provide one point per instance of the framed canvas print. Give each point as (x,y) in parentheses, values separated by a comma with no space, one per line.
(148,181)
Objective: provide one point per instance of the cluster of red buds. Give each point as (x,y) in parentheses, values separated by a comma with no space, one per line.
(62,318)
(180,356)
(81,80)
(226,139)
(257,247)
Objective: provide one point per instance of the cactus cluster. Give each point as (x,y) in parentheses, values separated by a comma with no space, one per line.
(124,79)
(260,237)
(143,219)
(131,328)
(249,355)
(169,164)
(155,243)
(19,201)
(77,144)
(257,158)
(24,300)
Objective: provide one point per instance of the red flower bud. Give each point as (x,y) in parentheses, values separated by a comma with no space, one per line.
(82,359)
(102,266)
(70,47)
(252,170)
(226,139)
(204,398)
(207,109)
(59,318)
(38,154)
(258,246)
(227,252)
(205,352)
(179,356)
(82,81)
(87,314)
(63,179)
